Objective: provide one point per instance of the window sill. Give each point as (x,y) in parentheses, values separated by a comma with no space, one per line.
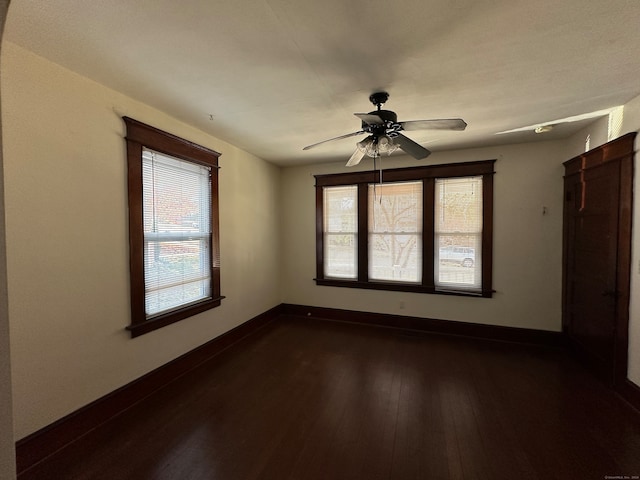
(402,287)
(154,323)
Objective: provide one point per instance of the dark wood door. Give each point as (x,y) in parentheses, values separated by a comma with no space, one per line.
(592,259)
(597,223)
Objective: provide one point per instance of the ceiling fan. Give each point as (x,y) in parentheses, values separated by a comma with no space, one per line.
(384,132)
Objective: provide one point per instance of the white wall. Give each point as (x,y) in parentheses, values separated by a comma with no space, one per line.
(527,244)
(630,123)
(7,450)
(67,242)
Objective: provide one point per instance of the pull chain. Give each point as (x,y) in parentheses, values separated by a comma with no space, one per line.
(380,177)
(374,171)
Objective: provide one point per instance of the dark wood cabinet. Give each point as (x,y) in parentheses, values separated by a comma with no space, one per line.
(598,191)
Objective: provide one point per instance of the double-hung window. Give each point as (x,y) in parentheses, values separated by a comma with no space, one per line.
(173,228)
(341,231)
(395,232)
(425,229)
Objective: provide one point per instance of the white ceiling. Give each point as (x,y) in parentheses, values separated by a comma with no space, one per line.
(271,76)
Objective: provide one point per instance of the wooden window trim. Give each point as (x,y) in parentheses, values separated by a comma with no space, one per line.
(427,175)
(140,135)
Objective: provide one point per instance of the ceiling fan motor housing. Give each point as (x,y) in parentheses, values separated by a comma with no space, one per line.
(386,115)
(389,127)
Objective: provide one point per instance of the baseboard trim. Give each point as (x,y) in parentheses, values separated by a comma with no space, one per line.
(46,441)
(430,325)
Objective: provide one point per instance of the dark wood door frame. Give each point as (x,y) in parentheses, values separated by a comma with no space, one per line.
(621,151)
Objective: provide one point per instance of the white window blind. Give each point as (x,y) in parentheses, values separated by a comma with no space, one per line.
(458,233)
(177,232)
(340,232)
(395,232)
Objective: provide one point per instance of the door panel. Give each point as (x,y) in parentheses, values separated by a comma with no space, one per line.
(594,263)
(594,299)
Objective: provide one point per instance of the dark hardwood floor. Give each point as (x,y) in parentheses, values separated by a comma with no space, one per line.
(310,400)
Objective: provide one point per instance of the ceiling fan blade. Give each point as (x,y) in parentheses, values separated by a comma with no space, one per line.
(414,149)
(370,118)
(440,124)
(355,158)
(360,132)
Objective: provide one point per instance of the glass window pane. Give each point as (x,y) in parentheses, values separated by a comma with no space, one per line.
(458,235)
(340,232)
(177,232)
(459,204)
(458,260)
(395,232)
(176,194)
(177,273)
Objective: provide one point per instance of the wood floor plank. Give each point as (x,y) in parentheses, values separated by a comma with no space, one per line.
(312,400)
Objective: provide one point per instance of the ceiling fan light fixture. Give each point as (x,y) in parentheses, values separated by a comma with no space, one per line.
(372,147)
(386,145)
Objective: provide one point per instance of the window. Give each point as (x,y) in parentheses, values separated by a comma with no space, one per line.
(458,232)
(173,228)
(395,232)
(341,231)
(425,229)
